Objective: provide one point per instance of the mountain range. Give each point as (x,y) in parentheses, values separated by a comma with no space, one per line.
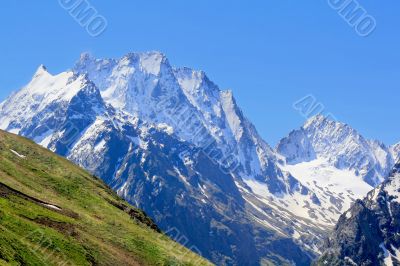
(171,142)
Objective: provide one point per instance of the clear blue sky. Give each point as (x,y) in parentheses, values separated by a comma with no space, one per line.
(270,53)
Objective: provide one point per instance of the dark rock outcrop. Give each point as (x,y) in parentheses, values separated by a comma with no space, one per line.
(369,233)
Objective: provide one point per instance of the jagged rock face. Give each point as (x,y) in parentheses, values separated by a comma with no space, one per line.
(171,142)
(133,121)
(145,85)
(396,152)
(297,148)
(368,233)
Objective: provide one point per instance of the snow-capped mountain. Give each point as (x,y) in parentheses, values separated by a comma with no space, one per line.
(171,142)
(51,108)
(145,85)
(341,146)
(198,112)
(368,233)
(337,163)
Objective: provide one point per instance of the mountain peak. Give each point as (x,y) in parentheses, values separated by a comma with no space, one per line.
(41,70)
(85,57)
(187,71)
(227,93)
(317,120)
(195,81)
(150,62)
(342,146)
(155,54)
(331,130)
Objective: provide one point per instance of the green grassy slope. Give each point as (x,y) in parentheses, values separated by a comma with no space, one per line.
(85,223)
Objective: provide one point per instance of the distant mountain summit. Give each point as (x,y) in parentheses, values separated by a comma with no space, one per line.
(171,142)
(340,145)
(336,162)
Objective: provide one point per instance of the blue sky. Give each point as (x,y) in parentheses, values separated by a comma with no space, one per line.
(270,53)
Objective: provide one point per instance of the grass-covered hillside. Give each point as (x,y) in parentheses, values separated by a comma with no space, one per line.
(54,213)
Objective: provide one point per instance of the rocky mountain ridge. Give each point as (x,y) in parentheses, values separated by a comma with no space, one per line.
(172,143)
(368,233)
